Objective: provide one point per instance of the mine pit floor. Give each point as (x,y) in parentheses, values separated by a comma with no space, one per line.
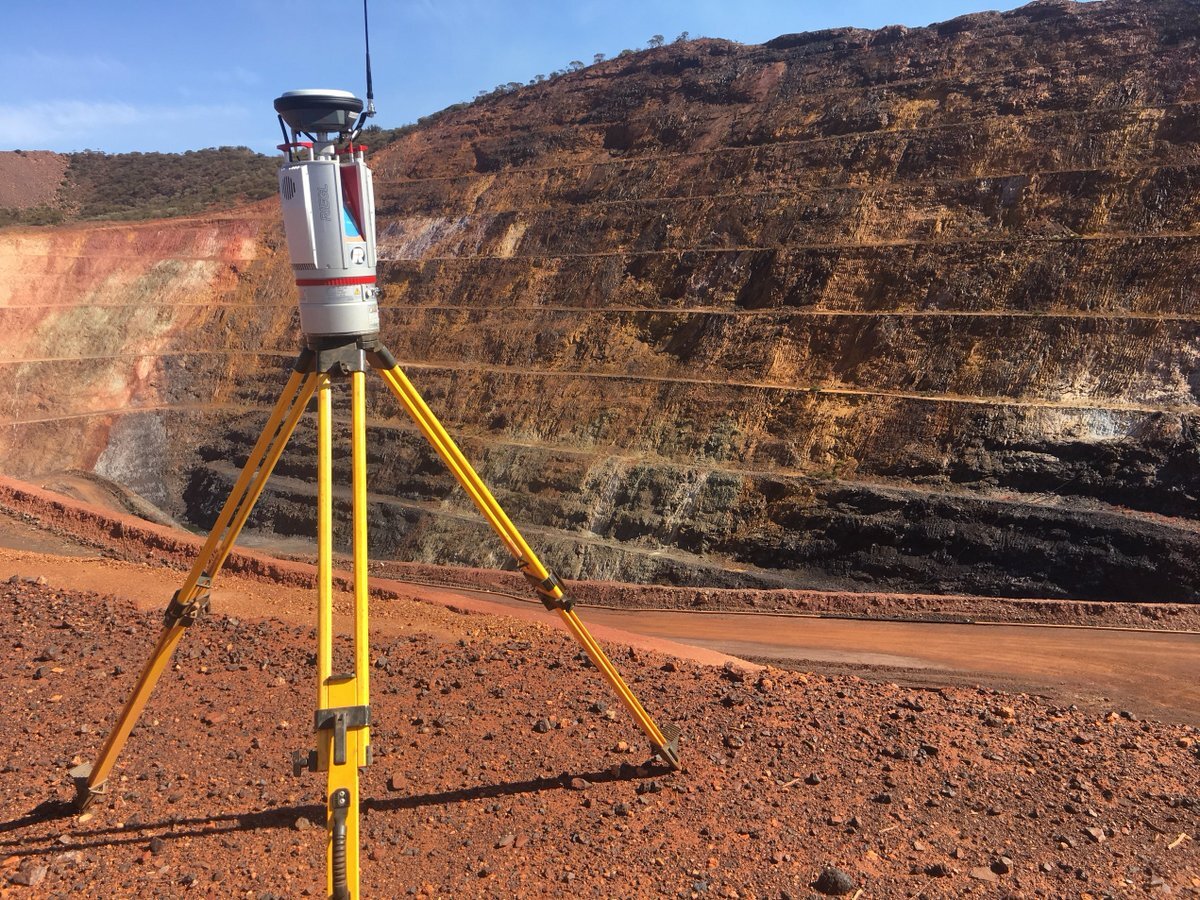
(911,783)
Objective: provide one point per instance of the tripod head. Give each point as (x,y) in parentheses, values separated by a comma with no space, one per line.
(328,200)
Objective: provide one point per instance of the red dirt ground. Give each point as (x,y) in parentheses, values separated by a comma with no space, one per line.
(934,792)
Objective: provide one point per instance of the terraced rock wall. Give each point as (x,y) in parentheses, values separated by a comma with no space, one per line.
(899,310)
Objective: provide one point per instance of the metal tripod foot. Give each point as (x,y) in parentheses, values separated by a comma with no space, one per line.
(668,751)
(85,794)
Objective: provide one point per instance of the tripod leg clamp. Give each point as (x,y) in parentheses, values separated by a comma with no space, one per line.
(185,613)
(545,588)
(339,719)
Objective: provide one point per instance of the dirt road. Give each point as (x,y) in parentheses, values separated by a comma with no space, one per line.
(1152,674)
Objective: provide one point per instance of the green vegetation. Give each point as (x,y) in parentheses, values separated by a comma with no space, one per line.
(160,185)
(123,186)
(377,138)
(35,215)
(129,186)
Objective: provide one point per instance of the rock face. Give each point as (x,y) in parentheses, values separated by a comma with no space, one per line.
(905,309)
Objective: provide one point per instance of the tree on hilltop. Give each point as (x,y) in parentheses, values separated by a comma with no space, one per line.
(656,40)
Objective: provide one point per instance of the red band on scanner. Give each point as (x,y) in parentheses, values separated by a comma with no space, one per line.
(334,282)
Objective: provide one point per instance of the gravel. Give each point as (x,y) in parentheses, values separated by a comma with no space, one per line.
(733,821)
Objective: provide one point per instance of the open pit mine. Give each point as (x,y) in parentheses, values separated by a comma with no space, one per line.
(910,310)
(895,324)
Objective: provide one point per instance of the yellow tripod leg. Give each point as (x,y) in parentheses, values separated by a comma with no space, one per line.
(358,445)
(191,600)
(548,586)
(343,715)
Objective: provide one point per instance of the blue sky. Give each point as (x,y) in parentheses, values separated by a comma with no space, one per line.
(173,75)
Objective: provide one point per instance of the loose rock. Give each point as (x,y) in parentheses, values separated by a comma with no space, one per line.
(833,881)
(983,873)
(30,875)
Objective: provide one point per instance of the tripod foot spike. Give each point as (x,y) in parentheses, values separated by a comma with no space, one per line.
(668,752)
(85,794)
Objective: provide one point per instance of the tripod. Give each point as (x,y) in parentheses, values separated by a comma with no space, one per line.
(343,717)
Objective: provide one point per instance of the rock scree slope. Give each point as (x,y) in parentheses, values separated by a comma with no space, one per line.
(30,178)
(900,309)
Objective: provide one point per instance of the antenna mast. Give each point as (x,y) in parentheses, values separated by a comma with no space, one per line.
(370,110)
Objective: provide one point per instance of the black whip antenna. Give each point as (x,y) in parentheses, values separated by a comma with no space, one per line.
(370,111)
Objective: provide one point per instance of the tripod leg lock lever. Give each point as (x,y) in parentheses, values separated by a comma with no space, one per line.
(339,719)
(185,613)
(546,587)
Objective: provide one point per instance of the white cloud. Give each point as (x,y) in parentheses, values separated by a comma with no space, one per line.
(40,65)
(77,124)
